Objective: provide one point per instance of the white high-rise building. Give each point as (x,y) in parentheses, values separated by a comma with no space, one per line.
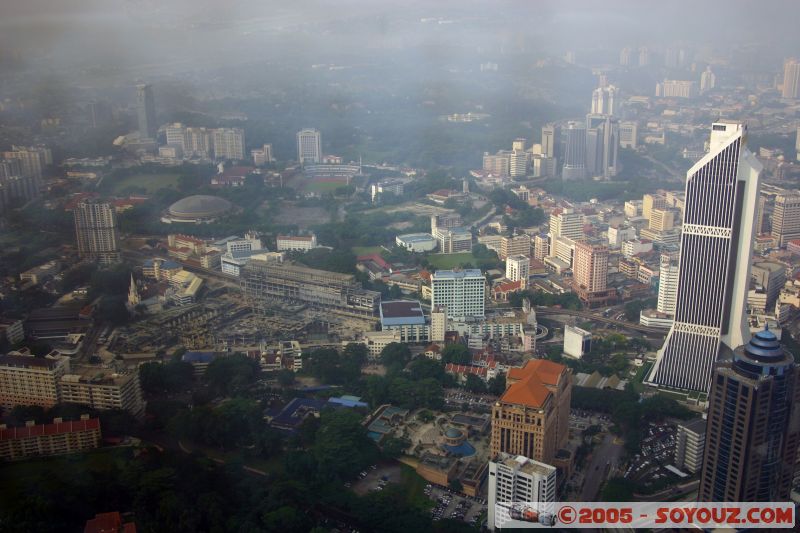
(566,223)
(309,146)
(714,271)
(626,57)
(229,143)
(791,78)
(602,145)
(462,292)
(707,80)
(667,284)
(628,134)
(603,100)
(262,156)
(518,267)
(517,480)
(518,163)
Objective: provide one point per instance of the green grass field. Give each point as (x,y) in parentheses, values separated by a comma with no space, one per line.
(366,250)
(150,182)
(640,375)
(448,261)
(413,487)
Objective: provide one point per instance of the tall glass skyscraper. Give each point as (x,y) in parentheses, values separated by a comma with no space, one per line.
(714,273)
(146,112)
(753,425)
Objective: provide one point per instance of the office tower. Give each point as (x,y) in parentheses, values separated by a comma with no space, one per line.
(438,323)
(786,218)
(667,283)
(462,292)
(602,145)
(515,245)
(690,443)
(590,274)
(498,164)
(628,134)
(574,152)
(551,138)
(644,56)
(518,267)
(797,143)
(229,143)
(590,267)
(541,247)
(650,202)
(518,144)
(146,112)
(566,223)
(99,114)
(707,80)
(716,245)
(752,433)
(176,135)
(531,418)
(309,146)
(761,211)
(626,57)
(662,219)
(96,231)
(518,163)
(791,78)
(262,156)
(454,240)
(603,100)
(514,479)
(770,277)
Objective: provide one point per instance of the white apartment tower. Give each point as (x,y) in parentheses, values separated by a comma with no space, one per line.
(707,80)
(96,231)
(517,479)
(714,273)
(667,284)
(462,292)
(603,100)
(791,78)
(566,223)
(309,146)
(518,267)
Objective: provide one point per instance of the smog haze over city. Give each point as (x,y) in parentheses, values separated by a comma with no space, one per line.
(397,266)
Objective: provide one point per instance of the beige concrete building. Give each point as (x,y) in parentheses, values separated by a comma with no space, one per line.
(532,417)
(786,218)
(29,380)
(102,389)
(58,438)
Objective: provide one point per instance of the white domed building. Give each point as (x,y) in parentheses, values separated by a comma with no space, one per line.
(197,209)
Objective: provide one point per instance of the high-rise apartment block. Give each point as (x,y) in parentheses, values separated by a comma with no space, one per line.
(667,284)
(32,160)
(786,218)
(514,479)
(309,146)
(753,432)
(29,380)
(791,78)
(96,231)
(707,80)
(551,138)
(531,418)
(626,57)
(229,143)
(716,245)
(146,112)
(58,438)
(462,292)
(676,89)
(518,268)
(603,100)
(103,389)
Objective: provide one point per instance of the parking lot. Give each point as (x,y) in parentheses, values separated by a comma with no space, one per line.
(375,478)
(658,450)
(469,401)
(454,506)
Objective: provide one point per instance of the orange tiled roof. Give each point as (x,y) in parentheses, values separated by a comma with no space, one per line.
(530,387)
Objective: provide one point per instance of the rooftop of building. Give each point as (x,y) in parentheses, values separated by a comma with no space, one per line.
(295,237)
(94,375)
(57,427)
(409,311)
(29,361)
(415,237)
(525,465)
(695,425)
(457,274)
(530,383)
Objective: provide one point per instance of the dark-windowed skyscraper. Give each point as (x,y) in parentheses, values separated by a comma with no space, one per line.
(146,112)
(714,271)
(753,425)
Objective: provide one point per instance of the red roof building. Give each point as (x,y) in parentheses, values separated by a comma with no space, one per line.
(49,439)
(108,523)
